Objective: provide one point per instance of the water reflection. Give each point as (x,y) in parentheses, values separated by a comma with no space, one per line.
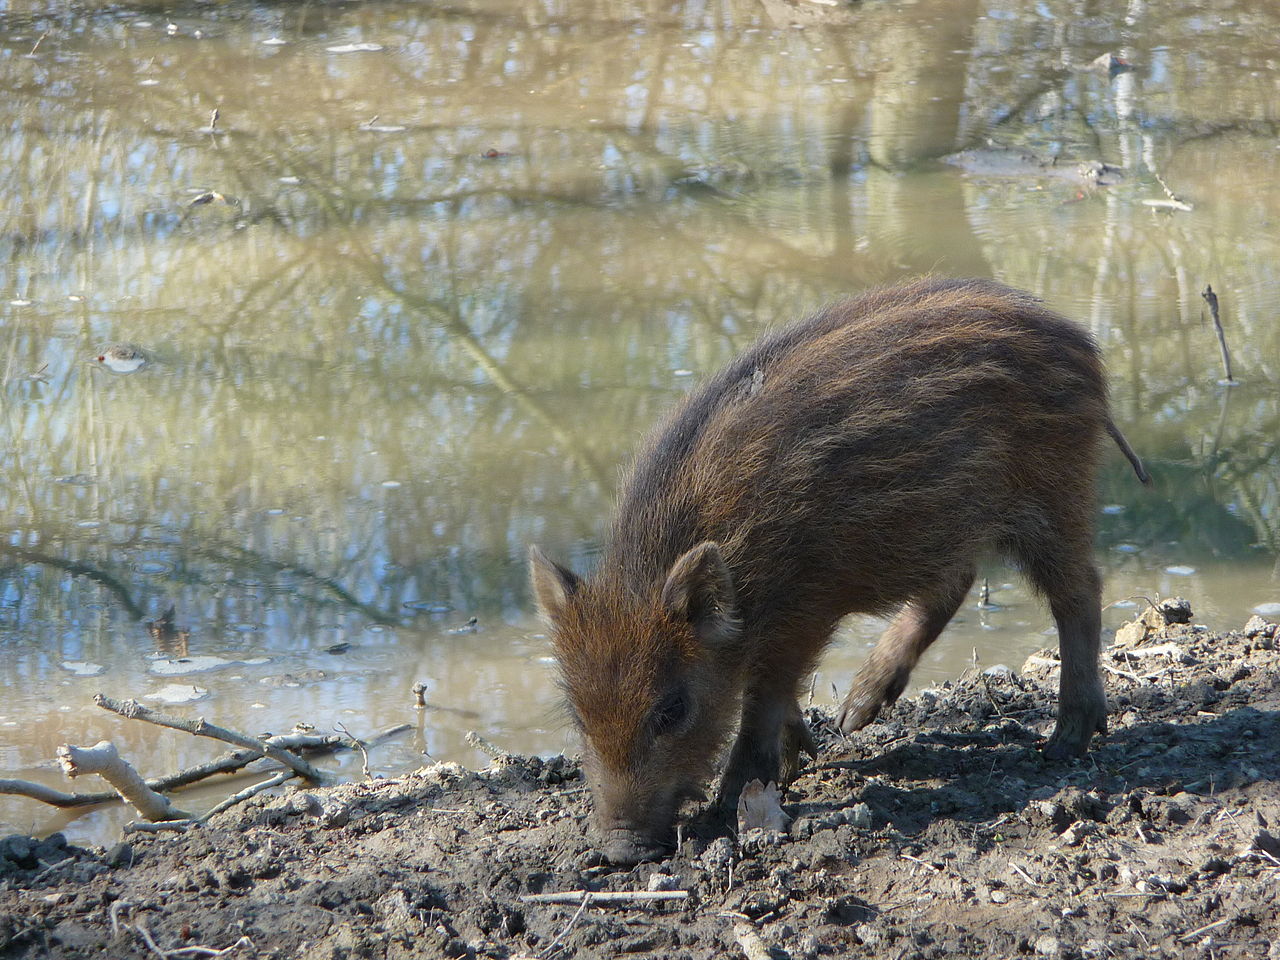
(406,310)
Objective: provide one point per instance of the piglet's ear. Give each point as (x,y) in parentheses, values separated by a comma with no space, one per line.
(553,585)
(699,589)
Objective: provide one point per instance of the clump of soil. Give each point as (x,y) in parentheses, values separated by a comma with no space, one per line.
(939,831)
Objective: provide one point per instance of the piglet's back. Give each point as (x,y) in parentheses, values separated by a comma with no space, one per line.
(845,461)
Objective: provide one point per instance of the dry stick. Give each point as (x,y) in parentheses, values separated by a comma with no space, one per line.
(1025,876)
(1188,937)
(364,754)
(141,826)
(145,934)
(201,951)
(1211,299)
(497,754)
(550,948)
(248,792)
(104,760)
(200,728)
(609,896)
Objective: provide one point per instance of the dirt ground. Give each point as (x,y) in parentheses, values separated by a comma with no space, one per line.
(939,831)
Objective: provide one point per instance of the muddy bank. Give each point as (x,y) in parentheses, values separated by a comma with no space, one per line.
(939,831)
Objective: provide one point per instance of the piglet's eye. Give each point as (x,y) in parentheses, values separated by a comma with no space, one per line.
(670,713)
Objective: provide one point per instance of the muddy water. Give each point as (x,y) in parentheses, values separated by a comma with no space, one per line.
(406,304)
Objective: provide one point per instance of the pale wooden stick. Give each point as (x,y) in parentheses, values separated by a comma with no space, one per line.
(103,759)
(496,754)
(201,728)
(574,897)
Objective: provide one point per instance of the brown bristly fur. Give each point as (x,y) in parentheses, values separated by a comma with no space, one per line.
(861,460)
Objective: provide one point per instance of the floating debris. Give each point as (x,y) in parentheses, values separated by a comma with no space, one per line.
(212,196)
(1111,64)
(200,664)
(83,668)
(122,358)
(355,48)
(373,125)
(429,606)
(177,693)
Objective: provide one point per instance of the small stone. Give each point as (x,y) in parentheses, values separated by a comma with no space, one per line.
(1049,947)
(1077,832)
(1175,610)
(870,935)
(121,855)
(718,855)
(663,881)
(999,896)
(860,816)
(1258,627)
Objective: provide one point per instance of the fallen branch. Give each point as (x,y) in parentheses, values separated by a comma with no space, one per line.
(104,760)
(573,897)
(227,763)
(55,798)
(199,727)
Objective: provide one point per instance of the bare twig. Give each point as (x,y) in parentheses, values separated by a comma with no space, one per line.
(114,913)
(494,753)
(178,826)
(196,950)
(201,728)
(364,763)
(1022,873)
(608,896)
(149,940)
(1188,937)
(104,760)
(1211,299)
(248,792)
(555,943)
(1174,202)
